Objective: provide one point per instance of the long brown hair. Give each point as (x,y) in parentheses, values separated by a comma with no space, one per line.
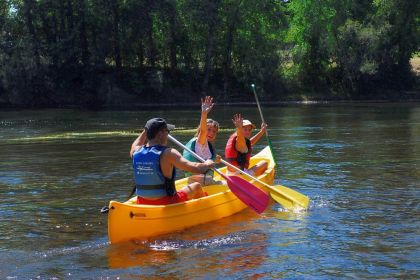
(209,121)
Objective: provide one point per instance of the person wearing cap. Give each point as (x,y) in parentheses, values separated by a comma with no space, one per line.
(155,167)
(202,141)
(239,147)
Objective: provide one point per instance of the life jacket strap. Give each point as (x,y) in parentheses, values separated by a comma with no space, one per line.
(151,187)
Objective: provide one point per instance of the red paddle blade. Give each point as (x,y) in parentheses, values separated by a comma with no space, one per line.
(249,194)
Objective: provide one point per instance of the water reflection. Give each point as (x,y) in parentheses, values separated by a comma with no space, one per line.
(238,245)
(225,232)
(236,253)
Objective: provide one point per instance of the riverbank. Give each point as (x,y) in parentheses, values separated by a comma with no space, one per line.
(150,88)
(283,103)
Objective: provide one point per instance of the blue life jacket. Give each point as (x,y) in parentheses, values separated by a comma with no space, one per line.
(150,182)
(191,145)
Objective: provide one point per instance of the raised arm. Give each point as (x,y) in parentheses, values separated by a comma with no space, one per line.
(140,141)
(257,137)
(240,140)
(206,106)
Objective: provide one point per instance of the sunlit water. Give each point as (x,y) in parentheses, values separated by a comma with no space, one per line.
(359,164)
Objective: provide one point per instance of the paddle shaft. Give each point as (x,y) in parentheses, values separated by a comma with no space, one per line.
(258,103)
(262,119)
(243,172)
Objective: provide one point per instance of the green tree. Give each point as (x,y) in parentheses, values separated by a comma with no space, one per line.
(400,40)
(373,51)
(357,53)
(311,35)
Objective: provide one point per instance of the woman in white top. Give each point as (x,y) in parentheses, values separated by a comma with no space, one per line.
(201,143)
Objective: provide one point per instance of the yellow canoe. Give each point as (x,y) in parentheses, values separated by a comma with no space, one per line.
(131,221)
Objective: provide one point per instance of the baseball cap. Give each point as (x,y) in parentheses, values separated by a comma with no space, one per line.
(247,122)
(154,125)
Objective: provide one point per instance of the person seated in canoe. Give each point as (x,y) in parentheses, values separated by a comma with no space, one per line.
(155,166)
(202,145)
(239,147)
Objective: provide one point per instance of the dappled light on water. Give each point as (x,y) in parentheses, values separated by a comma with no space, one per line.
(358,165)
(94,135)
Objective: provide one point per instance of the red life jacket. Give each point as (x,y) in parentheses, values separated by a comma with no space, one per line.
(236,158)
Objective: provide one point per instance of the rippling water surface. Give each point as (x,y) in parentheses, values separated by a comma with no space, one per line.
(359,164)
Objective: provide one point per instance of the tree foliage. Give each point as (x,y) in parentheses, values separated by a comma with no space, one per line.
(78,52)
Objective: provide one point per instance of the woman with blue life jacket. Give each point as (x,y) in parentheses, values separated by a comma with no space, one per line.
(239,147)
(202,143)
(154,167)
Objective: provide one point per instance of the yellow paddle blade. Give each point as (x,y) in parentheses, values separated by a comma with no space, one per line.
(288,198)
(283,201)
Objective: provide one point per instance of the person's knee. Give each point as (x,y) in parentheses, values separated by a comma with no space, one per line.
(196,186)
(194,190)
(260,168)
(194,179)
(264,165)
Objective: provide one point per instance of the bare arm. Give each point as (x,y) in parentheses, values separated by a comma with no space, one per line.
(257,137)
(206,106)
(240,139)
(172,157)
(140,141)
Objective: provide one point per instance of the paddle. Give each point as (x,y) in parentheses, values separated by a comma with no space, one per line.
(249,194)
(262,119)
(288,198)
(281,193)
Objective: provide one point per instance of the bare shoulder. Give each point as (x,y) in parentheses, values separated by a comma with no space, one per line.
(171,154)
(134,150)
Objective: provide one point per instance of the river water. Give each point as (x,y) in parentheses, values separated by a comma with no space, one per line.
(358,163)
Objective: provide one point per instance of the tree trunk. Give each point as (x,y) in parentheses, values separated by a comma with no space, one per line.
(173,36)
(71,50)
(152,49)
(84,46)
(115,24)
(227,62)
(210,44)
(140,54)
(28,8)
(150,40)
(50,29)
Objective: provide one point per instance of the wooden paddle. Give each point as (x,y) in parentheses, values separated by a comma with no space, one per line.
(249,194)
(288,198)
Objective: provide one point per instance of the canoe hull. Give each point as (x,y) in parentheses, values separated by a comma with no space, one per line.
(128,220)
